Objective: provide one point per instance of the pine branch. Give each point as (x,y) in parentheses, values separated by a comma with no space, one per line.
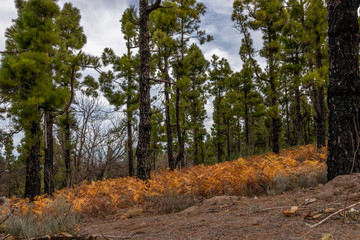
(154,6)
(162,81)
(16,51)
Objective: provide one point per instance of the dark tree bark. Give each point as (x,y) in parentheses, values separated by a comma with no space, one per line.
(181,153)
(143,153)
(169,134)
(319,98)
(218,133)
(246,119)
(129,116)
(238,137)
(33,181)
(196,150)
(67,159)
(298,117)
(274,120)
(130,144)
(344,88)
(49,154)
(228,140)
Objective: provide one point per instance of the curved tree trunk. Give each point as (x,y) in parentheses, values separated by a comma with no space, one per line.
(344,88)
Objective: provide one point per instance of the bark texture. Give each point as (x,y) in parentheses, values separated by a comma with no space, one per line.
(49,154)
(33,181)
(344,88)
(143,153)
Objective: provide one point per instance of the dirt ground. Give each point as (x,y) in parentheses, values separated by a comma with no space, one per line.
(233,217)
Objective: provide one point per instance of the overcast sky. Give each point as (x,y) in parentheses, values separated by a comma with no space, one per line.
(100,20)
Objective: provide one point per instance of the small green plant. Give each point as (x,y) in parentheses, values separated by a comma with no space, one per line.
(57,217)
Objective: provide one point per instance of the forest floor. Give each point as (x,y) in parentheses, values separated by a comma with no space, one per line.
(234,217)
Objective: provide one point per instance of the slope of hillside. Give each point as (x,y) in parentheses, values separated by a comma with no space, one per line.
(255,175)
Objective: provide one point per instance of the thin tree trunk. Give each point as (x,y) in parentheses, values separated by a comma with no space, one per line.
(344,88)
(239,137)
(320,102)
(49,154)
(196,151)
(298,118)
(218,134)
(129,116)
(33,181)
(180,155)
(67,140)
(228,139)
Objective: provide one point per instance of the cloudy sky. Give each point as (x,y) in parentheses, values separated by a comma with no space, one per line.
(100,20)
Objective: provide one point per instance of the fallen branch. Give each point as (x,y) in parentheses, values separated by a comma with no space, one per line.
(7,217)
(3,238)
(328,217)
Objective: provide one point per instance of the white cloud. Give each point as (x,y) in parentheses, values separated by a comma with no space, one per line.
(221,7)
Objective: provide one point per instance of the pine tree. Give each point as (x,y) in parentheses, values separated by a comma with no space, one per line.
(315,27)
(219,77)
(143,152)
(269,17)
(120,84)
(27,76)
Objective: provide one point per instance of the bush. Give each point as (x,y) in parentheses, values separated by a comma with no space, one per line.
(57,217)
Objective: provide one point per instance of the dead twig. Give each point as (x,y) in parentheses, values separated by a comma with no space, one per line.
(7,217)
(339,211)
(104,236)
(3,238)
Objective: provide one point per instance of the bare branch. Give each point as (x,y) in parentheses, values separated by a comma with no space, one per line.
(328,217)
(162,81)
(154,6)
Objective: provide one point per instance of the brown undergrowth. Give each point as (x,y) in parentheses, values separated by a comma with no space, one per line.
(168,191)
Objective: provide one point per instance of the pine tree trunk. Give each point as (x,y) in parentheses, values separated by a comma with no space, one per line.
(246,120)
(143,153)
(298,118)
(130,144)
(180,155)
(33,181)
(49,154)
(196,151)
(344,88)
(67,140)
(218,134)
(320,101)
(169,134)
(129,115)
(274,120)
(239,137)
(228,140)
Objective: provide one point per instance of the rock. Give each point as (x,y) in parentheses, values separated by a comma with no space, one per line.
(339,187)
(4,201)
(220,200)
